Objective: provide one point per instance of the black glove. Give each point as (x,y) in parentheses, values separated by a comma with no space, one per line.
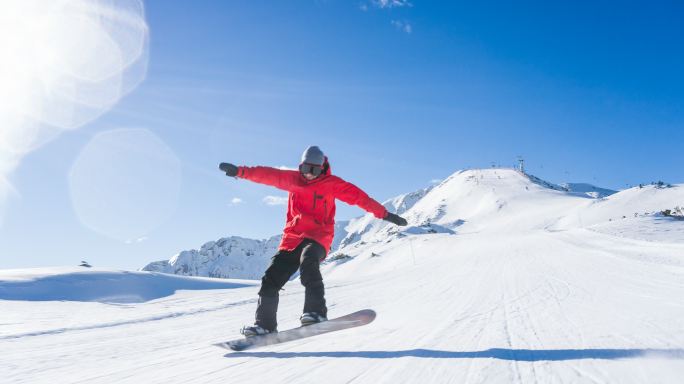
(396,219)
(229,169)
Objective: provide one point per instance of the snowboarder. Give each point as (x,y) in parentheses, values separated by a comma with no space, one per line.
(308,233)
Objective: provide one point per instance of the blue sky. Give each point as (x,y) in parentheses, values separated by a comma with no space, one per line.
(396,93)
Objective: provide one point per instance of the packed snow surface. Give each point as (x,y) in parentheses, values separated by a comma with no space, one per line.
(497,279)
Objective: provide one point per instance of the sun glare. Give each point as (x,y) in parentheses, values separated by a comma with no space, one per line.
(63,63)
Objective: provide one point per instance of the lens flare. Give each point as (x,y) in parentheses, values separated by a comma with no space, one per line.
(63,63)
(125,183)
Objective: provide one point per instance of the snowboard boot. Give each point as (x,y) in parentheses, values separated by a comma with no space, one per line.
(309,318)
(255,330)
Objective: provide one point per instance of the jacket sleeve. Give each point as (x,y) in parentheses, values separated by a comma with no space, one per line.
(351,194)
(279,178)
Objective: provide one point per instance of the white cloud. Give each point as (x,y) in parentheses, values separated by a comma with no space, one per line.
(236,201)
(138,240)
(392,3)
(402,26)
(275,200)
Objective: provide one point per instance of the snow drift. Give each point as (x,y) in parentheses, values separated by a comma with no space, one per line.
(100,285)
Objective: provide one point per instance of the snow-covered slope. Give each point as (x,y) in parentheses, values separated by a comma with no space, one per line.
(645,201)
(474,201)
(470,201)
(497,279)
(574,306)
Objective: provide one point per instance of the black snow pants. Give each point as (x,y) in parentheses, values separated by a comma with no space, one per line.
(306,257)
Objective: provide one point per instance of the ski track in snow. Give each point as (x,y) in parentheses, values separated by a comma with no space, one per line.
(468,311)
(127,322)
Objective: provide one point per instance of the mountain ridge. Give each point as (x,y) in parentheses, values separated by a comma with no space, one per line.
(470,200)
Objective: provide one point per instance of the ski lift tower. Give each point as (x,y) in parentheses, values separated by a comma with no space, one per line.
(521,164)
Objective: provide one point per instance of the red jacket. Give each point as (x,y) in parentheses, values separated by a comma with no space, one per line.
(311,204)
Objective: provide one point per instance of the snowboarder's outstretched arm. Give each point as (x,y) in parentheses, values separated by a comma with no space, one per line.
(353,195)
(279,178)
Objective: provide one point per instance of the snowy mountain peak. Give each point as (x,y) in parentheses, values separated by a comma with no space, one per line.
(588,190)
(473,193)
(497,199)
(403,203)
(229,257)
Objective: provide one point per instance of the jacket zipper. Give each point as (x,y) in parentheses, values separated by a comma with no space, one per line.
(314,209)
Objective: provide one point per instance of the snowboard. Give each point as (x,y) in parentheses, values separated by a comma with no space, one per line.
(351,320)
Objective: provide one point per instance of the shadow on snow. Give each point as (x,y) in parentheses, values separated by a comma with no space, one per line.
(494,353)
